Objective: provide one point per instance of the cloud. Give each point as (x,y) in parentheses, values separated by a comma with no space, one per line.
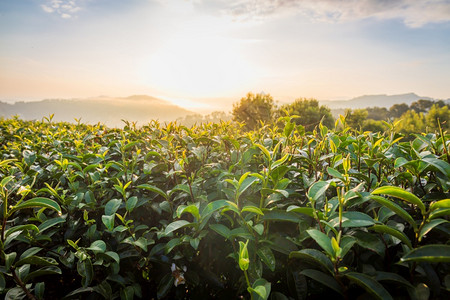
(414,13)
(66,9)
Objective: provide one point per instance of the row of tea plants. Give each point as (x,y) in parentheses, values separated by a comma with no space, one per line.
(214,212)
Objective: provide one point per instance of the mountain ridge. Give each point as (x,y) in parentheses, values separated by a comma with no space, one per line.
(107,110)
(380,100)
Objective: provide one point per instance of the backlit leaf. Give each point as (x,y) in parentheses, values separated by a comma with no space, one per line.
(429,253)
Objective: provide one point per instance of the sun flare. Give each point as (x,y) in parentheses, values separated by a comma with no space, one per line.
(198,67)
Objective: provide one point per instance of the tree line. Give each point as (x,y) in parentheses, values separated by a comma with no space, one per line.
(254,110)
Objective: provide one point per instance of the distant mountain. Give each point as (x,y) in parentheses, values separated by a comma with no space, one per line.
(106,110)
(375,100)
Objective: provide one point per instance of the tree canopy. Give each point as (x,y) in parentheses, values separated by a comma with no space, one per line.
(356,118)
(309,113)
(253,109)
(397,110)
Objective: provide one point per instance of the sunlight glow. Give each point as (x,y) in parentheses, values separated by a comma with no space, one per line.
(198,67)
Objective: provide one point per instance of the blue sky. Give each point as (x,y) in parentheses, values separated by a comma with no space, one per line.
(191,52)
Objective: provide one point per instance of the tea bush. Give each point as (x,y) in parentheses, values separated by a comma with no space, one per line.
(214,212)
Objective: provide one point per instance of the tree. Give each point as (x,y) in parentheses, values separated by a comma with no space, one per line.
(356,118)
(253,109)
(374,126)
(377,113)
(421,105)
(438,114)
(308,112)
(411,122)
(397,110)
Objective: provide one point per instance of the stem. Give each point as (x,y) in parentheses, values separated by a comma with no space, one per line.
(190,189)
(246,278)
(5,215)
(444,142)
(22,285)
(417,240)
(248,283)
(369,186)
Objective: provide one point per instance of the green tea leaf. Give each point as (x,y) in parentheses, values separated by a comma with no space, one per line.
(141,242)
(440,212)
(259,228)
(392,231)
(165,285)
(127,293)
(322,240)
(400,193)
(98,246)
(6,162)
(429,253)
(315,256)
(221,229)
(181,188)
(194,243)
(370,242)
(153,189)
(392,277)
(86,271)
(335,173)
(353,219)
(279,162)
(245,184)
(192,209)
(252,209)
(430,225)
(176,225)
(50,223)
(264,151)
(15,293)
(29,157)
(112,206)
(324,279)
(441,165)
(280,215)
(303,210)
(346,244)
(21,228)
(261,288)
(397,209)
(267,257)
(440,204)
(318,189)
(9,259)
(30,251)
(213,206)
(37,202)
(52,270)
(131,203)
(112,255)
(108,221)
(37,261)
(370,285)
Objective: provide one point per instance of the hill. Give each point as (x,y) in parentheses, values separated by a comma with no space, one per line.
(374,100)
(106,110)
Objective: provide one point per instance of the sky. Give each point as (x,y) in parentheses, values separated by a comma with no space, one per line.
(207,54)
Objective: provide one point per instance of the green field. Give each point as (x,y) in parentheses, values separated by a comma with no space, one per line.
(216,212)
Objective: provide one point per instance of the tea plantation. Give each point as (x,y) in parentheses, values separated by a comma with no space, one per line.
(215,212)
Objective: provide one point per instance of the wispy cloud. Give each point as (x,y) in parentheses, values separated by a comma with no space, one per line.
(66,9)
(414,13)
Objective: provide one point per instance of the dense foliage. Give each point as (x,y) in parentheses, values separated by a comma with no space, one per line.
(214,212)
(253,110)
